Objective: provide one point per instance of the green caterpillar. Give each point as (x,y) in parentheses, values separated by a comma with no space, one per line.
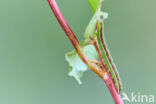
(96,24)
(106,55)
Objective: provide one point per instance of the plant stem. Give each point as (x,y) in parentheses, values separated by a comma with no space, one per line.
(73,39)
(105,76)
(98,49)
(111,86)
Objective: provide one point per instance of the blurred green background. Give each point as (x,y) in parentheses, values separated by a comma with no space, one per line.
(33,69)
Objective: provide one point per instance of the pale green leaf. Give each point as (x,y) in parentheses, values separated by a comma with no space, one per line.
(77,66)
(90,30)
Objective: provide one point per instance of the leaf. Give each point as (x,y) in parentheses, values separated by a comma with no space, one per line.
(94,4)
(77,66)
(90,30)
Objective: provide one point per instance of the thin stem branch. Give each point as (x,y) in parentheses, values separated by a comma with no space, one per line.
(104,75)
(98,49)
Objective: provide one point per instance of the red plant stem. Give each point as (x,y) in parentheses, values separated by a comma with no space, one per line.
(73,38)
(110,84)
(105,76)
